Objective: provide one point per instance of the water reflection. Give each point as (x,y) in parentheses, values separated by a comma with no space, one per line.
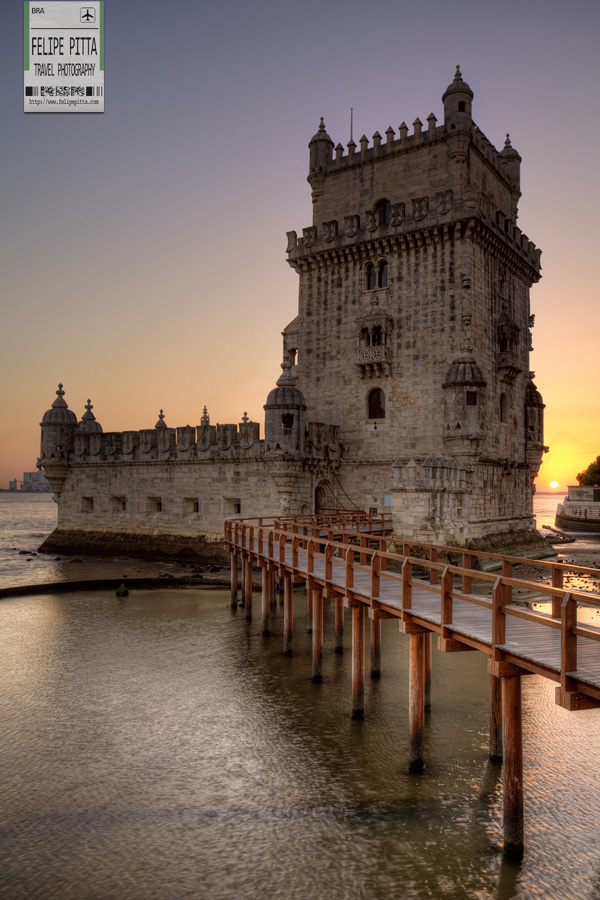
(162,747)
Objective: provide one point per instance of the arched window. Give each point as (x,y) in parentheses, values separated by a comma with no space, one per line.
(365,337)
(382,274)
(377,339)
(383,211)
(371,277)
(287,420)
(377,404)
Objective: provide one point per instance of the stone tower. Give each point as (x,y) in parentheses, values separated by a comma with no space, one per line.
(413,327)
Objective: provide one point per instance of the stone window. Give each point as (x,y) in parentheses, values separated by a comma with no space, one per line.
(287,420)
(503,408)
(382,211)
(365,337)
(462,106)
(190,505)
(471,398)
(377,404)
(154,504)
(382,274)
(119,504)
(232,506)
(87,504)
(370,277)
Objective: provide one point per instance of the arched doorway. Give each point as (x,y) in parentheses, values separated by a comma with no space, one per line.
(324,497)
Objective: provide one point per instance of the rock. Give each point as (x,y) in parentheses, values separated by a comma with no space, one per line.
(122,591)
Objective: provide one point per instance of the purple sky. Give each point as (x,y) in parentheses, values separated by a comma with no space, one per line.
(143,250)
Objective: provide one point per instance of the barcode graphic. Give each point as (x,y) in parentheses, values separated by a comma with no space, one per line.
(64,91)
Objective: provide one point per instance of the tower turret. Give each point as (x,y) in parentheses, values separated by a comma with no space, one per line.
(284,414)
(88,424)
(321,150)
(58,437)
(457,100)
(512,162)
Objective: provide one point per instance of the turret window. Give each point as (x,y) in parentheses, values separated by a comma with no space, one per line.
(287,420)
(471,398)
(377,404)
(503,408)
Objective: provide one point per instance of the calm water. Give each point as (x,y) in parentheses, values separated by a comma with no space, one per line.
(159,747)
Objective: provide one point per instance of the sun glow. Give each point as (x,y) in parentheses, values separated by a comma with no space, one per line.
(554,484)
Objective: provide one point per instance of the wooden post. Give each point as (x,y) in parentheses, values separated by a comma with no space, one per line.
(467,563)
(273,587)
(317,633)
(358,661)
(266,599)
(433,573)
(557,581)
(495,719)
(310,601)
(427,669)
(507,572)
(512,734)
(248,594)
(288,614)
(416,715)
(243,580)
(339,624)
(375,648)
(234,580)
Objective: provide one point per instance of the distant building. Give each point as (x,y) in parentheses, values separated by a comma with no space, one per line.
(32,483)
(406,383)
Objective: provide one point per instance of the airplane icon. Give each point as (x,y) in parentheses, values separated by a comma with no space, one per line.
(88,15)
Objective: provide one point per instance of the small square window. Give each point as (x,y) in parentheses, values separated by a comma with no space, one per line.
(191,505)
(119,504)
(154,504)
(87,504)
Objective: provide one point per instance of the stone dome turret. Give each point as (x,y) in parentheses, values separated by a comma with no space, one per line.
(532,395)
(88,424)
(464,370)
(59,413)
(286,395)
(457,86)
(161,420)
(457,100)
(321,134)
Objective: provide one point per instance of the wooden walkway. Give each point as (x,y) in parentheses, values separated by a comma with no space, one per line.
(346,558)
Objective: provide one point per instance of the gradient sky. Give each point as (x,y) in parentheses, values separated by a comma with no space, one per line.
(143,250)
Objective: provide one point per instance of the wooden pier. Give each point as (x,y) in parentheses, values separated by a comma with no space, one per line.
(345,557)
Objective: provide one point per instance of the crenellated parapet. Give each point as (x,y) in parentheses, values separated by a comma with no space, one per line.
(66,443)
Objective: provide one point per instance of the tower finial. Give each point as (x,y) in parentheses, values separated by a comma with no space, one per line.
(458,74)
(161,420)
(507,142)
(322,124)
(60,391)
(205,420)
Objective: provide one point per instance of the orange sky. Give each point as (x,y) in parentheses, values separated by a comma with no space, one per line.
(144,265)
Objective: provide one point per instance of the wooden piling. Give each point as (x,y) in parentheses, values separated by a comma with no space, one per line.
(339,624)
(495,719)
(358,661)
(512,734)
(288,614)
(427,670)
(309,607)
(234,580)
(416,715)
(248,592)
(266,599)
(317,633)
(375,648)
